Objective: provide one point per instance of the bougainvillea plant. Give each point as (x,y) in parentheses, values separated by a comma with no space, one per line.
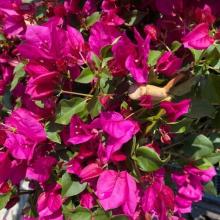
(110,109)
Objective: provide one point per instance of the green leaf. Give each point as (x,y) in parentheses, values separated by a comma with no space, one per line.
(86,76)
(182,126)
(197,54)
(175,46)
(148,160)
(203,164)
(100,214)
(70,187)
(39,103)
(92,19)
(210,89)
(106,50)
(201,108)
(94,107)
(198,147)
(80,214)
(4,199)
(105,80)
(68,108)
(2,37)
(153,57)
(212,56)
(6,100)
(213,158)
(96,60)
(52,130)
(134,17)
(40,11)
(19,73)
(185,87)
(210,188)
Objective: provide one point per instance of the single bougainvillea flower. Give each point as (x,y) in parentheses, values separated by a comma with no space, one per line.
(175,110)
(198,38)
(49,205)
(119,130)
(168,64)
(79,131)
(110,183)
(137,63)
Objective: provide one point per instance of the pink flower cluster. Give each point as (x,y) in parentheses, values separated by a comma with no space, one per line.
(66,68)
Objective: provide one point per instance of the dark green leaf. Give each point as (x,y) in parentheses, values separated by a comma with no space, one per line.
(148,160)
(134,17)
(70,187)
(7,103)
(184,87)
(210,188)
(52,130)
(181,126)
(210,89)
(40,11)
(68,108)
(198,147)
(86,76)
(201,108)
(94,107)
(106,50)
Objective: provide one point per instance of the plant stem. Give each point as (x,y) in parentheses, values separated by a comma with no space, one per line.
(76,93)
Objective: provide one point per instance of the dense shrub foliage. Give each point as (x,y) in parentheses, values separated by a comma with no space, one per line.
(110,109)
